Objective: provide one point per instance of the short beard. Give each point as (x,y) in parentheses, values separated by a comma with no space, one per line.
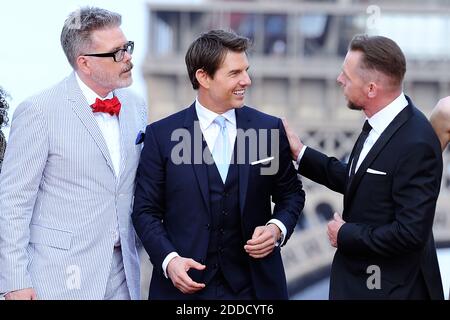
(353,106)
(105,79)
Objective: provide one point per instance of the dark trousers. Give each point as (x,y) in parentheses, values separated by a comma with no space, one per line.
(218,289)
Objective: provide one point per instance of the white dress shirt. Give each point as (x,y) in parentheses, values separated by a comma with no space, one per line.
(108,124)
(109,127)
(379,122)
(210,131)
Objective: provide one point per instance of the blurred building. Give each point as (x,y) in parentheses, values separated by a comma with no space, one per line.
(298,50)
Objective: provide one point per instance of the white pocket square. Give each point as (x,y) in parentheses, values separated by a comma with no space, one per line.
(262,160)
(376,172)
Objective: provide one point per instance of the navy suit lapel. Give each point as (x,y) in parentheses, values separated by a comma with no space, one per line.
(242,123)
(200,168)
(387,134)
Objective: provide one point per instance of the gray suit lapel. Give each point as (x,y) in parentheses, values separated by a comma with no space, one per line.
(83,111)
(124,125)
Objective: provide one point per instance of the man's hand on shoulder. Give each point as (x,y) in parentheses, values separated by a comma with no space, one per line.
(295,143)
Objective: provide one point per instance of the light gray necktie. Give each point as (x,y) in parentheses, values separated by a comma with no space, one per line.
(221,152)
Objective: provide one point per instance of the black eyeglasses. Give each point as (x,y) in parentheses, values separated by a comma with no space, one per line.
(116,55)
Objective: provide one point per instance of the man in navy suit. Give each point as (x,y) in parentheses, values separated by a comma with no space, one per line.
(384,240)
(205,183)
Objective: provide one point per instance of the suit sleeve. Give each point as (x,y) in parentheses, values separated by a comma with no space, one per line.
(327,171)
(415,190)
(149,201)
(287,194)
(21,176)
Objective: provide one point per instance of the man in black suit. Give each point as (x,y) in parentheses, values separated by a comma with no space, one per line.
(384,240)
(204,214)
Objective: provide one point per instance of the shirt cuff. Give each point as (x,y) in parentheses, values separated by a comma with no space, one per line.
(283,229)
(300,155)
(166,261)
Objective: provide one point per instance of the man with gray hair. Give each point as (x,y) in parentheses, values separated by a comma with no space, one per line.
(67,182)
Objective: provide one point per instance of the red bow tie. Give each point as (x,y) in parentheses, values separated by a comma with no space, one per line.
(111,106)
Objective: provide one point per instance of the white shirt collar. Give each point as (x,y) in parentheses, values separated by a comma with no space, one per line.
(88,93)
(206,116)
(380,120)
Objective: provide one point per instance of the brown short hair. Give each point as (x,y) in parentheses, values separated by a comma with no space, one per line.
(208,51)
(381,54)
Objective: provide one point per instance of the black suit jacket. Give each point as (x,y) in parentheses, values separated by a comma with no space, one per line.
(171,208)
(389,217)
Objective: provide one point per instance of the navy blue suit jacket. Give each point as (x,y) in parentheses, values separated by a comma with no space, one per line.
(171,208)
(389,216)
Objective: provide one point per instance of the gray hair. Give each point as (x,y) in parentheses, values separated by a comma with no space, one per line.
(77,29)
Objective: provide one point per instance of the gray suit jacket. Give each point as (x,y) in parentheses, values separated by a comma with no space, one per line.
(59,196)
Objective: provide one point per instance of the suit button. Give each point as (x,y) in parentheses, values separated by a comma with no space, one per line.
(208,226)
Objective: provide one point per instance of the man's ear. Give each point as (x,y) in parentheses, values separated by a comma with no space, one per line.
(372,90)
(83,65)
(202,78)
